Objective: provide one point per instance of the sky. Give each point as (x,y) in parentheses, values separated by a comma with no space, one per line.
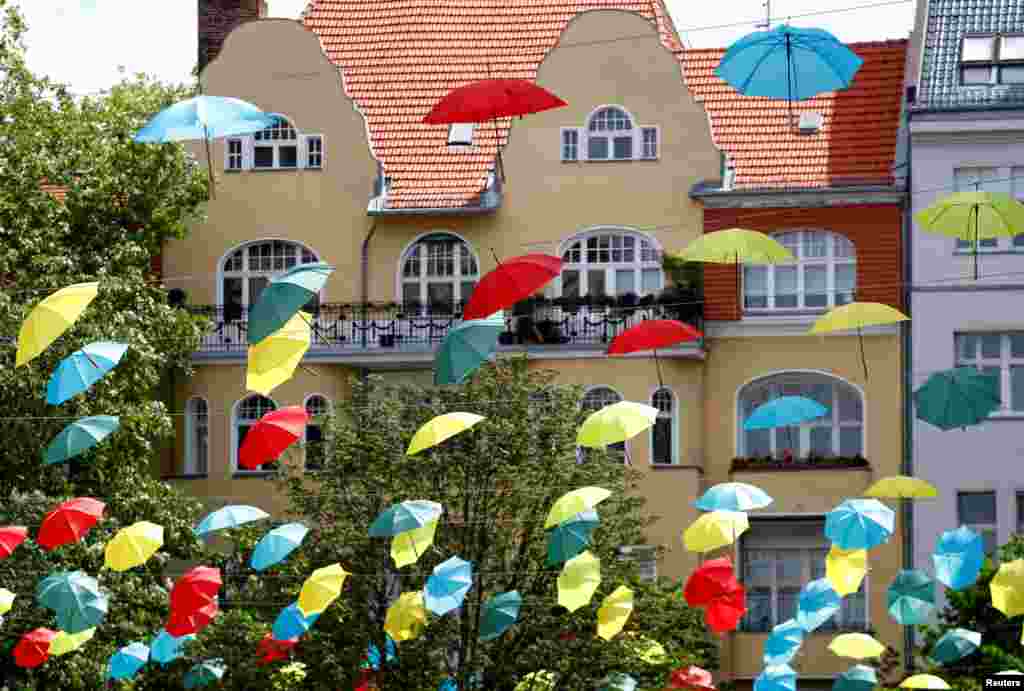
(84,43)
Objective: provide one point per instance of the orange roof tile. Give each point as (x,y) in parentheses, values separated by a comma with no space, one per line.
(855,146)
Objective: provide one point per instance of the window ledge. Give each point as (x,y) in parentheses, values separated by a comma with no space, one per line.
(1009,415)
(982,252)
(186,476)
(675,466)
(757,465)
(238,474)
(817,632)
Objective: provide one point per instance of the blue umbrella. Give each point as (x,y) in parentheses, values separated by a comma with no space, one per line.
(204,673)
(80,436)
(465,348)
(373,653)
(447,586)
(817,603)
(857,678)
(276,545)
(291,623)
(83,368)
(859,524)
(955,644)
(127,661)
(958,558)
(784,412)
(784,643)
(230,517)
(571,538)
(733,496)
(403,517)
(76,598)
(911,597)
(165,648)
(616,681)
(500,612)
(776,678)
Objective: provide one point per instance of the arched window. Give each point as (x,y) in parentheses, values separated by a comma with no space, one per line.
(611,263)
(663,433)
(839,433)
(317,407)
(599,397)
(247,271)
(247,412)
(823,276)
(197,437)
(439,270)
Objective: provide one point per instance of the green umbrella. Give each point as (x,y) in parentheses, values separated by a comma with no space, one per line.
(958,397)
(974,216)
(911,597)
(955,644)
(857,678)
(80,436)
(283,297)
(76,598)
(466,347)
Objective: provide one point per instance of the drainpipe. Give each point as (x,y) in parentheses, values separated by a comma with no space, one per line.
(906,348)
(364,269)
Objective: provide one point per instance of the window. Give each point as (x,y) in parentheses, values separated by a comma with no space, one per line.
(663,433)
(646,558)
(650,142)
(986,60)
(599,397)
(824,274)
(315,151)
(278,147)
(247,412)
(973,180)
(570,144)
(247,271)
(234,150)
(197,436)
(777,558)
(1000,355)
(461,134)
(610,134)
(611,263)
(1020,513)
(439,271)
(317,407)
(977,511)
(839,433)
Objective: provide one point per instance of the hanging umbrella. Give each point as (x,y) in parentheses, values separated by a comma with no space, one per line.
(273,360)
(736,246)
(902,487)
(270,649)
(447,586)
(924,681)
(407,515)
(859,646)
(34,647)
(465,348)
(10,537)
(568,539)
(652,334)
(280,301)
(1007,588)
(974,216)
(373,653)
(133,545)
(127,661)
(182,623)
(615,423)
(51,318)
(6,600)
(197,588)
(292,623)
(165,648)
(406,617)
(537,681)
(440,428)
(857,315)
(776,678)
(83,368)
(75,597)
(408,547)
(80,436)
(733,496)
(692,678)
(500,612)
(960,397)
(617,681)
(845,569)
(714,587)
(714,530)
(271,435)
(203,674)
(786,411)
(614,612)
(859,524)
(857,678)
(955,644)
(574,503)
(69,522)
(230,517)
(578,581)
(783,643)
(513,280)
(64,643)
(958,558)
(817,603)
(275,546)
(321,589)
(911,597)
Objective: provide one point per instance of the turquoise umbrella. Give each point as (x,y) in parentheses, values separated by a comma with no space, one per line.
(165,648)
(911,597)
(571,538)
(403,517)
(80,436)
(291,623)
(784,412)
(230,517)
(733,496)
(83,368)
(204,673)
(818,602)
(127,661)
(276,545)
(955,644)
(447,586)
(857,678)
(776,678)
(616,681)
(283,297)
(500,612)
(373,653)
(859,524)
(465,348)
(783,643)
(76,598)
(958,558)
(960,397)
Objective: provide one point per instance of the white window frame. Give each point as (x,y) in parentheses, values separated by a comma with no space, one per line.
(570,146)
(235,423)
(231,157)
(423,280)
(994,63)
(636,133)
(192,428)
(673,418)
(1006,362)
(308,141)
(578,259)
(646,558)
(328,410)
(303,255)
(981,528)
(834,242)
(611,396)
(249,142)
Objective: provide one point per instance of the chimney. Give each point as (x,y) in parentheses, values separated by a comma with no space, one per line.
(216,20)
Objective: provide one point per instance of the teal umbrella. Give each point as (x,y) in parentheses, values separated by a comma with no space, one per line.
(447,586)
(571,538)
(960,397)
(776,678)
(859,524)
(404,517)
(818,602)
(292,623)
(276,545)
(230,517)
(204,673)
(127,661)
(911,597)
(857,678)
(80,436)
(165,648)
(465,348)
(76,598)
(283,297)
(783,643)
(83,368)
(955,644)
(500,612)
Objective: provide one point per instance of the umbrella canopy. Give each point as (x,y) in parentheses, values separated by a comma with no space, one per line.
(692,678)
(165,648)
(1007,588)
(407,515)
(64,642)
(440,428)
(275,546)
(51,318)
(373,653)
(857,315)
(568,539)
(203,117)
(958,558)
(489,99)
(204,673)
(959,397)
(902,487)
(513,280)
(617,681)
(733,496)
(652,334)
(10,537)
(911,597)
(465,348)
(447,585)
(573,503)
(647,650)
(713,585)
(817,603)
(924,681)
(321,589)
(195,589)
(955,644)
(80,436)
(292,623)
(783,643)
(857,678)
(270,649)
(271,435)
(127,661)
(283,297)
(859,524)
(615,610)
(500,612)
(783,412)
(34,647)
(537,681)
(615,423)
(716,529)
(406,617)
(133,545)
(273,360)
(6,600)
(69,522)
(230,517)
(859,646)
(776,678)
(409,546)
(76,598)
(83,368)
(182,623)
(578,581)
(973,216)
(845,569)
(736,245)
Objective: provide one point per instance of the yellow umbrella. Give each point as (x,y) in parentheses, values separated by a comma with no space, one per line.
(845,569)
(578,581)
(649,651)
(902,487)
(6,600)
(442,427)
(615,423)
(924,681)
(52,317)
(321,589)
(408,547)
(857,315)
(273,360)
(715,529)
(65,643)
(574,502)
(406,617)
(736,246)
(1007,588)
(614,612)
(133,545)
(859,646)
(537,681)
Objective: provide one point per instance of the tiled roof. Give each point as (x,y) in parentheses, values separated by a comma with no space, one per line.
(856,144)
(948,21)
(399,57)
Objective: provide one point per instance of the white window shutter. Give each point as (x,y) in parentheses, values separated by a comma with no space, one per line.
(247,153)
(227,154)
(323,152)
(581,143)
(302,155)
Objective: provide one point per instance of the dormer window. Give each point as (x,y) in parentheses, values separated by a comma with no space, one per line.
(279,147)
(992,59)
(610,134)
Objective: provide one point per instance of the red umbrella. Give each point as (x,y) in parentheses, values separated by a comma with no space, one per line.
(10,537)
(510,282)
(651,335)
(724,612)
(712,579)
(182,623)
(491,99)
(195,590)
(691,678)
(69,522)
(271,435)
(271,649)
(34,648)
